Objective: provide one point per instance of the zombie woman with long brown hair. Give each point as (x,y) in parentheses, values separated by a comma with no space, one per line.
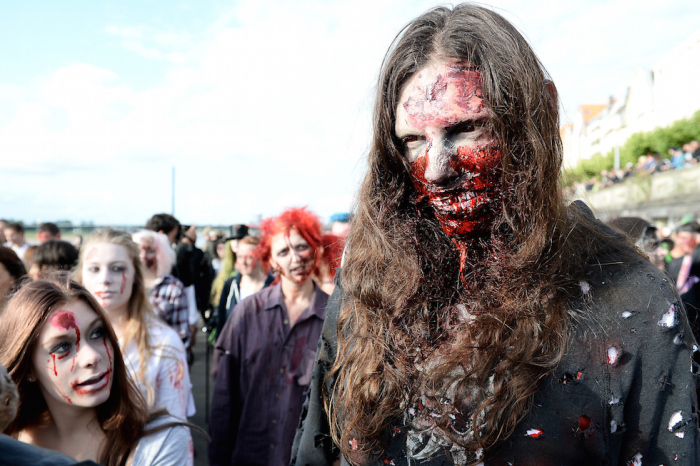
(74,392)
(479,319)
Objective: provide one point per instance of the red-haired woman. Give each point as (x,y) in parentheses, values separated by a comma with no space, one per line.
(269,345)
(74,392)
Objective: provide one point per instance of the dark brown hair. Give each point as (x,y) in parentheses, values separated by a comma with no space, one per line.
(406,299)
(123,416)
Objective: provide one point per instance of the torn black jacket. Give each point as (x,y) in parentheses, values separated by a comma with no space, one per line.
(624,392)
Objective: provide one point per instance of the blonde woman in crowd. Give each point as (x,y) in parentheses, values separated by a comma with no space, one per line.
(110,268)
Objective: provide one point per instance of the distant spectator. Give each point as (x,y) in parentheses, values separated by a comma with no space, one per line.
(47,231)
(11,270)
(685,243)
(340,224)
(165,292)
(228,266)
(53,255)
(250,279)
(14,233)
(29,256)
(166,224)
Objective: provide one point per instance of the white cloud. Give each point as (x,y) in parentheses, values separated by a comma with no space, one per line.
(269,106)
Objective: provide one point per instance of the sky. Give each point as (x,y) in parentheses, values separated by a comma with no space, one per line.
(258,106)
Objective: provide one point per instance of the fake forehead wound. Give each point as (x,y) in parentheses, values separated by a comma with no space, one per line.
(65,320)
(443,99)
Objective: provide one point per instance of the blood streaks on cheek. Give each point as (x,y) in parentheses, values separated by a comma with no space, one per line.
(55,372)
(109,355)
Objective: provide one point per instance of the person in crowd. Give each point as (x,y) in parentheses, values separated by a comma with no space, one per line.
(74,393)
(228,265)
(478,318)
(53,255)
(110,268)
(684,270)
(47,231)
(250,279)
(340,224)
(14,233)
(165,292)
(197,276)
(166,224)
(214,238)
(11,270)
(683,261)
(268,347)
(218,255)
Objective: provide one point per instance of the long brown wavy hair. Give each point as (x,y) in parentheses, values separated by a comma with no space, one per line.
(123,417)
(503,320)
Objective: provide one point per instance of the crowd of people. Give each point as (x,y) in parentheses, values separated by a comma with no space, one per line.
(135,298)
(475,317)
(678,157)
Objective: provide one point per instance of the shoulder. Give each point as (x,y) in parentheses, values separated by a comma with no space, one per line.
(170,445)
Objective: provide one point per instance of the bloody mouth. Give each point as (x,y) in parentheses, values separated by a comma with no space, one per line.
(93,384)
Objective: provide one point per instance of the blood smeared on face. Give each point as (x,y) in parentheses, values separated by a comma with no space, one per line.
(455,160)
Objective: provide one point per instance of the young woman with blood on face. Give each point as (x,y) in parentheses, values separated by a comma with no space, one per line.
(110,268)
(75,396)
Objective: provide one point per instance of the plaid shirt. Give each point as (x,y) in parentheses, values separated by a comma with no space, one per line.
(169,300)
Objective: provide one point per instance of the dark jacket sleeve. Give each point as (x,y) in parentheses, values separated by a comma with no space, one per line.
(313,444)
(225,408)
(221,309)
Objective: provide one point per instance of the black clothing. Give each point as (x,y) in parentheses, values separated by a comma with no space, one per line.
(230,296)
(624,392)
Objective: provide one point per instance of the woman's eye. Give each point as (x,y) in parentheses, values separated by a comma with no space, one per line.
(61,348)
(93,269)
(302,247)
(118,268)
(98,333)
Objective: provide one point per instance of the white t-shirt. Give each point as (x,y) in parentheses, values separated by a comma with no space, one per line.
(167,379)
(172,446)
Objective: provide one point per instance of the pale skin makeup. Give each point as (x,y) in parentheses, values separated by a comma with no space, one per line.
(295,260)
(108,273)
(252,276)
(72,365)
(443,124)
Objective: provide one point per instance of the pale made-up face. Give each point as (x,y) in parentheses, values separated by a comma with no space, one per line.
(108,273)
(245,262)
(686,241)
(443,124)
(72,359)
(292,256)
(147,254)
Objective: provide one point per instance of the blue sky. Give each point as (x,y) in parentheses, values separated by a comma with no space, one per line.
(258,105)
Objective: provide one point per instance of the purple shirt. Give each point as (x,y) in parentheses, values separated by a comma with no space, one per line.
(264,372)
